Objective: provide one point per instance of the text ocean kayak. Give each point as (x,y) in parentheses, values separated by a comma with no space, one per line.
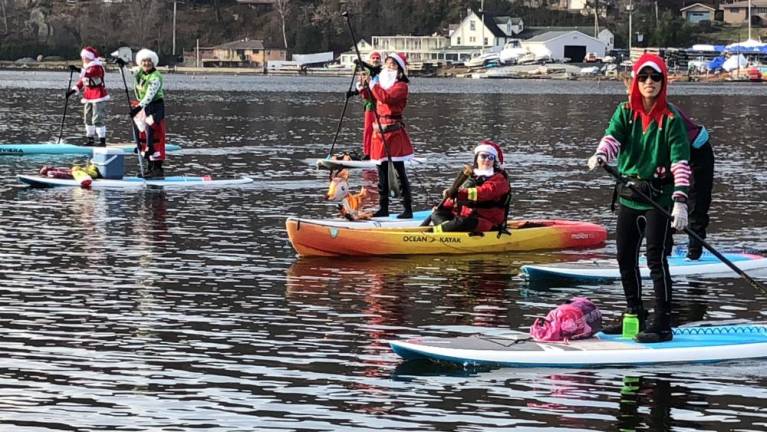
(135,182)
(70,149)
(317,239)
(597,270)
(699,343)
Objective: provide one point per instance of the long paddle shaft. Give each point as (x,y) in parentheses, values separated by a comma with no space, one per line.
(613,172)
(343,112)
(459,180)
(66,103)
(133,127)
(392,178)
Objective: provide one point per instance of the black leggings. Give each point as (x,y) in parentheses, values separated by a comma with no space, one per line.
(383,182)
(452,223)
(633,226)
(701,184)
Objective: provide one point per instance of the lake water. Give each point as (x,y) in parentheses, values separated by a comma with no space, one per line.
(189,310)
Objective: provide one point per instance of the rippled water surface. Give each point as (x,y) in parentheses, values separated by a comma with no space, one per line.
(188,310)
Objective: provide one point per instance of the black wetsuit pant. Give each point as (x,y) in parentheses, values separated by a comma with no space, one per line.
(452,223)
(699,200)
(632,227)
(383,184)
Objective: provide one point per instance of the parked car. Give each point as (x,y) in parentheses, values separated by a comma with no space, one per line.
(591,57)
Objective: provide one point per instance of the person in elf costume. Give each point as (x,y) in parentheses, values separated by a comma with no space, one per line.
(701,182)
(368,102)
(481,203)
(648,138)
(390,91)
(148,112)
(95,95)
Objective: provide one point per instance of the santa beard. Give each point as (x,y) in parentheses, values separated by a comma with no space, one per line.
(479,172)
(387,78)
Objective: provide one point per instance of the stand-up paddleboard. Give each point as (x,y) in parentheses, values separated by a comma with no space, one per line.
(335,164)
(691,344)
(69,149)
(390,221)
(598,270)
(179,182)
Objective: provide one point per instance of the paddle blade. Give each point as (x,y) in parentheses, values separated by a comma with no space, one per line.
(394,186)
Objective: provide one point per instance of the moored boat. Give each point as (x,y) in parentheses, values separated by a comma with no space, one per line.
(310,238)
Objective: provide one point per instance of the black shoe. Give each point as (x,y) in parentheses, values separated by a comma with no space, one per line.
(694,253)
(407,214)
(659,330)
(102,142)
(90,142)
(616,327)
(381,213)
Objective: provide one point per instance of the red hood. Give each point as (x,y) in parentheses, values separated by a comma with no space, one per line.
(660,109)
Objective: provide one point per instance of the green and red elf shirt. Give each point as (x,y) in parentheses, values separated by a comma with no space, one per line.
(649,146)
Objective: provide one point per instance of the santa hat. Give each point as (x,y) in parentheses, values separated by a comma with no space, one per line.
(89,53)
(401,59)
(147,54)
(488,146)
(374,53)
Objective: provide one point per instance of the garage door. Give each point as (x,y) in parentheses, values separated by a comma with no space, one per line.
(576,53)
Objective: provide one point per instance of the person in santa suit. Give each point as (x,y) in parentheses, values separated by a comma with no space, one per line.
(368,102)
(95,96)
(148,112)
(390,139)
(481,203)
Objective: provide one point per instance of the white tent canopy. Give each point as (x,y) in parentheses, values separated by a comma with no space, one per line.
(735,62)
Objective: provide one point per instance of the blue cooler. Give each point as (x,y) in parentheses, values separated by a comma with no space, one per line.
(110,162)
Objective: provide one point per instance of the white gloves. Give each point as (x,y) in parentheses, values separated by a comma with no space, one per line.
(597,160)
(679,216)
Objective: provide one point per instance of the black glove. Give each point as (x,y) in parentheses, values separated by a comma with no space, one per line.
(120,62)
(135,110)
(74,68)
(352,93)
(374,70)
(70,92)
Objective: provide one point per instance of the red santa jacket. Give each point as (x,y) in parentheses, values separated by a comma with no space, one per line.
(485,199)
(91,83)
(390,105)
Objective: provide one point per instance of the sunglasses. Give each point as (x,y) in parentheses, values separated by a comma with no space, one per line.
(486,156)
(655,76)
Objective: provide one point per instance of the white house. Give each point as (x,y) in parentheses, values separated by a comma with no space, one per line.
(493,31)
(565,44)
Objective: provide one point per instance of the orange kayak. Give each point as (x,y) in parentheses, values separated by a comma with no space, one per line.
(313,238)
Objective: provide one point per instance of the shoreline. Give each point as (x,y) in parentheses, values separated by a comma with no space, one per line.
(555,71)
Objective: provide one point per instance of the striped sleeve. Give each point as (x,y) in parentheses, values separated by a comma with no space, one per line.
(609,146)
(682,173)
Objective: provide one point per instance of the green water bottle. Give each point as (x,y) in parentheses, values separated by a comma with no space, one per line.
(630,325)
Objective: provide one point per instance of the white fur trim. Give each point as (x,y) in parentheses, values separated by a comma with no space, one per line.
(88,55)
(400,61)
(101,99)
(395,159)
(486,148)
(148,54)
(650,64)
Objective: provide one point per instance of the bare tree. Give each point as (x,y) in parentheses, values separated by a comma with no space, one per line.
(282,7)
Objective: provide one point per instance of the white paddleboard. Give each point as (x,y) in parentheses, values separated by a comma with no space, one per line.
(333,164)
(691,344)
(596,270)
(178,182)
